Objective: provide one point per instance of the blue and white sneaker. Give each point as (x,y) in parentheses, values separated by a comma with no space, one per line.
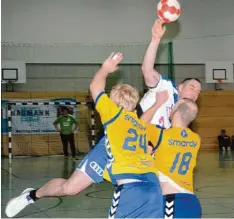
(17,204)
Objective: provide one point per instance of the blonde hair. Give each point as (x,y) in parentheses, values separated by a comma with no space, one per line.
(125,96)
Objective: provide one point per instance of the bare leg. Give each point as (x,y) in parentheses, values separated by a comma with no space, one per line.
(56,187)
(77,183)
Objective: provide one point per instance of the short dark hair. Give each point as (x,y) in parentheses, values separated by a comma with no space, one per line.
(189,79)
(223,130)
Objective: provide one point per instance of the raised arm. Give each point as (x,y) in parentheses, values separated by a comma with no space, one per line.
(106,108)
(151,76)
(110,65)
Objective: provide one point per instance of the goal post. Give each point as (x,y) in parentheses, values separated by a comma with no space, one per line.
(38,117)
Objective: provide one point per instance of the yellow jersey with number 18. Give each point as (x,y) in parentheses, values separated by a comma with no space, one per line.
(176,156)
(126,142)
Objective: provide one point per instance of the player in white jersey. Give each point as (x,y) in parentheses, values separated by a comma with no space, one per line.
(189,88)
(91,168)
(161,115)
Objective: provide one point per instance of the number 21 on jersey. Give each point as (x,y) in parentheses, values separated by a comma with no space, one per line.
(132,142)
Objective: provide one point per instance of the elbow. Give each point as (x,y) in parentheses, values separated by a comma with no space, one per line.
(147,71)
(144,69)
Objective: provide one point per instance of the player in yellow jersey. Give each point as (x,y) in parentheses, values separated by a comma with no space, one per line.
(175,159)
(138,193)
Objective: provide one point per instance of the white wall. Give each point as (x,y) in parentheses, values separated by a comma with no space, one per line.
(89,20)
(86,31)
(75,77)
(108,21)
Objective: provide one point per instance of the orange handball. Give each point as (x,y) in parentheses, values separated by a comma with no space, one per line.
(168,10)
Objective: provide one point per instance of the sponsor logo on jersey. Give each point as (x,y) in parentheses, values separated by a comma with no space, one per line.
(173,142)
(134,122)
(184,134)
(96,168)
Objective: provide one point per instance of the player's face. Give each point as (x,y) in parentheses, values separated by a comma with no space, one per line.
(190,90)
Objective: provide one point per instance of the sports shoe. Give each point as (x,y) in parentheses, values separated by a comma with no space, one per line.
(17,204)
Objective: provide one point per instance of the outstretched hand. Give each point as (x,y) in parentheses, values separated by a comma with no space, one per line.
(99,81)
(111,63)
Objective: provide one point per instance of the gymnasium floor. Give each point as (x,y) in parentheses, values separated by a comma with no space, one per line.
(214,183)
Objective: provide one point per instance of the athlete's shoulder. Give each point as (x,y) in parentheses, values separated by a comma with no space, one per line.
(131,120)
(195,135)
(182,132)
(170,130)
(132,116)
(164,83)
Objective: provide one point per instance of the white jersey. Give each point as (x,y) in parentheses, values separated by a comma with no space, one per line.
(161,117)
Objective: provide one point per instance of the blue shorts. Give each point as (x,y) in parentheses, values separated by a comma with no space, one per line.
(181,205)
(137,200)
(94,163)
